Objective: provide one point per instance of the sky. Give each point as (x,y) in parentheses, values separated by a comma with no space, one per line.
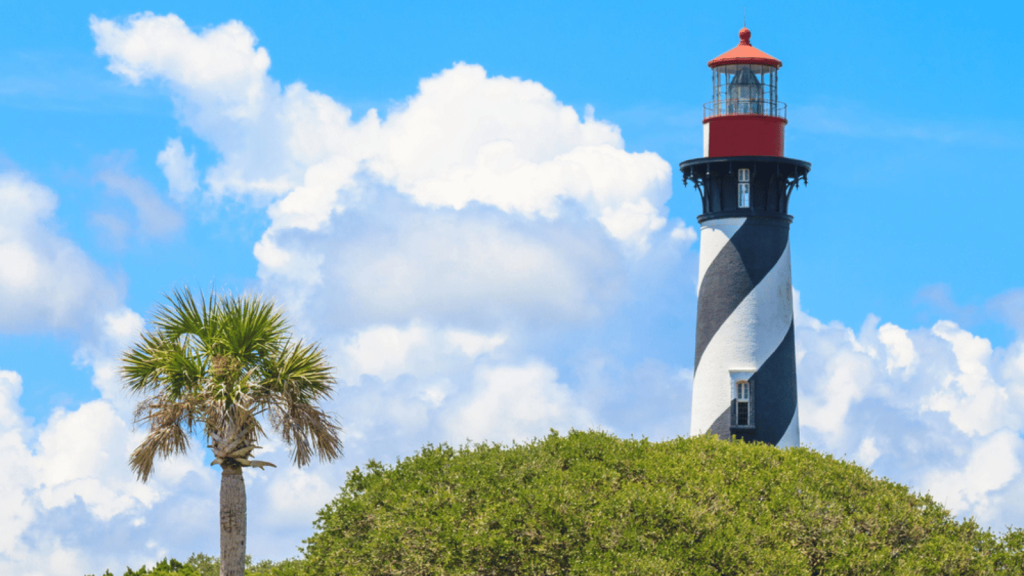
(476,209)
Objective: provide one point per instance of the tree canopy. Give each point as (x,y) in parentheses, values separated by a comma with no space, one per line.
(203,565)
(224,365)
(590,503)
(220,364)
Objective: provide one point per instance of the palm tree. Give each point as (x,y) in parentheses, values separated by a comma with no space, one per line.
(224,366)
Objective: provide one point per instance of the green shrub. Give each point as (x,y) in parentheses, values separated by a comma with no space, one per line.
(590,503)
(203,565)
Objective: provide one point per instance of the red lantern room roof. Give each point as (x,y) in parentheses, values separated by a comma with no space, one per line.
(744,53)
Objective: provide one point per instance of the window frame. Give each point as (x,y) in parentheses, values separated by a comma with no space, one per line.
(742,403)
(736,377)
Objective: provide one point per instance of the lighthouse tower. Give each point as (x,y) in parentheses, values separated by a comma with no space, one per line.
(744,381)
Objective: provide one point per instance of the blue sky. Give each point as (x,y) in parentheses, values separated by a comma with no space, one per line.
(476,209)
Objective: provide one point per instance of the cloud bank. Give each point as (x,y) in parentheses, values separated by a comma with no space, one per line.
(939,409)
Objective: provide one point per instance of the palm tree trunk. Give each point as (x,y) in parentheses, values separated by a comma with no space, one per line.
(232,522)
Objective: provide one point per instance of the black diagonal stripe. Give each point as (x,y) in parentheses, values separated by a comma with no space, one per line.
(774,394)
(743,262)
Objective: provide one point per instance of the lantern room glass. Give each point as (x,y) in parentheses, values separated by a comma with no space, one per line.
(745,89)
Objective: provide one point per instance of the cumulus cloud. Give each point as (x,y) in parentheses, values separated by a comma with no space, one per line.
(518,403)
(117,330)
(481,269)
(179,169)
(46,281)
(448,384)
(151,46)
(75,459)
(388,351)
(296,495)
(77,452)
(992,464)
(938,409)
(464,138)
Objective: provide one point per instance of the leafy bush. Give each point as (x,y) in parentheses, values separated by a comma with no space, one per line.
(203,565)
(589,503)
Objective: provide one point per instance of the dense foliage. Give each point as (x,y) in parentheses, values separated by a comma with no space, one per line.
(589,503)
(203,565)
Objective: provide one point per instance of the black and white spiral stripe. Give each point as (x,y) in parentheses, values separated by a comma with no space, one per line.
(745,324)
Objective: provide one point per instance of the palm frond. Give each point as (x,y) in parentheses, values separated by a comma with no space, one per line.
(309,431)
(160,364)
(183,314)
(300,372)
(253,327)
(170,426)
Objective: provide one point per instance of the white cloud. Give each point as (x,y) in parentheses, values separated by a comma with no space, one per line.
(509,143)
(396,262)
(48,558)
(992,464)
(464,138)
(844,372)
(79,455)
(115,332)
(938,409)
(46,281)
(970,395)
(149,46)
(683,234)
(900,352)
(296,495)
(868,452)
(408,379)
(16,512)
(179,169)
(384,351)
(473,344)
(76,458)
(388,351)
(517,403)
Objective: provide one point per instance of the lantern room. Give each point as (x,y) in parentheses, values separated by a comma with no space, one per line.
(744,117)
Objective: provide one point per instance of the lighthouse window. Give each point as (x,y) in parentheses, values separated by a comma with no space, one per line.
(743,403)
(745,89)
(742,393)
(746,92)
(744,188)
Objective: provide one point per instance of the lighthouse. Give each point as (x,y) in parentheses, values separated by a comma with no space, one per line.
(744,381)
